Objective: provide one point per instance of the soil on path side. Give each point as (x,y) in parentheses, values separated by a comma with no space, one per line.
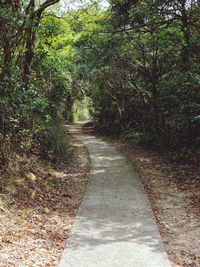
(34,230)
(174,193)
(37,211)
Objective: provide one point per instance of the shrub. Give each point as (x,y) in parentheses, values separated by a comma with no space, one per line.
(54,140)
(145,139)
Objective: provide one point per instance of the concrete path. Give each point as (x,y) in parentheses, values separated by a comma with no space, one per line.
(115,226)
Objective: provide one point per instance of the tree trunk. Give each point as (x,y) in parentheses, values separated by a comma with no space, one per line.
(30,43)
(186,34)
(34,17)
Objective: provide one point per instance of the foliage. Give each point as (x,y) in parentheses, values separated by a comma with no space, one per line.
(140,67)
(35,83)
(137,62)
(55,137)
(145,139)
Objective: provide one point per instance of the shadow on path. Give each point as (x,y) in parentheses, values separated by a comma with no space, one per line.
(115,225)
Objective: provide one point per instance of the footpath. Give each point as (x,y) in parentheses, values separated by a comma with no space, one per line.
(115,226)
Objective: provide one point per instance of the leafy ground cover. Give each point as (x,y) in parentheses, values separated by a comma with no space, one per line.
(38,204)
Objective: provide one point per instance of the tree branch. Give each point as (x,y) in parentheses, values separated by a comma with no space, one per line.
(45,5)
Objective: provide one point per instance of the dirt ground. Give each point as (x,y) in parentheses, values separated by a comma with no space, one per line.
(38,210)
(174,193)
(34,229)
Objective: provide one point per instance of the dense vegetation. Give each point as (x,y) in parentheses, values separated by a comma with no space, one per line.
(137,62)
(34,79)
(143,73)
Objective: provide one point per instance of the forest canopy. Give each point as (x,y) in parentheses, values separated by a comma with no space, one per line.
(138,63)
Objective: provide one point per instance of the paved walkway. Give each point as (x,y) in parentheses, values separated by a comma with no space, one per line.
(115,226)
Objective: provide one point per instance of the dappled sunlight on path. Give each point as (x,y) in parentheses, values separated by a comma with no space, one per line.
(115,225)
